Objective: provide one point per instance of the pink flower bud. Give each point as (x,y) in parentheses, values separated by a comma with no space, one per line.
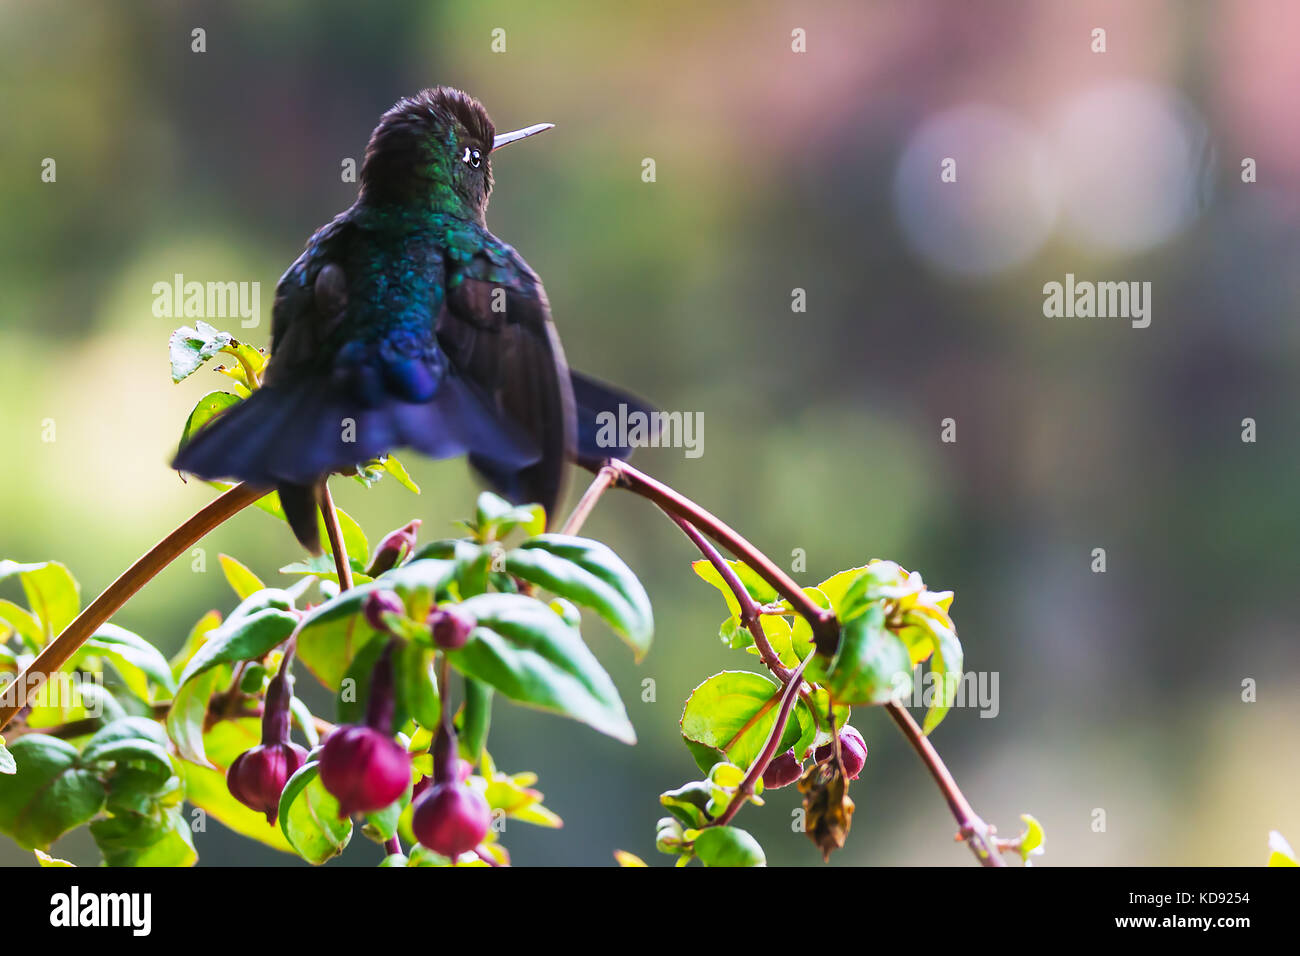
(395,546)
(451,819)
(782,771)
(257,777)
(378,603)
(853,751)
(450,626)
(364,769)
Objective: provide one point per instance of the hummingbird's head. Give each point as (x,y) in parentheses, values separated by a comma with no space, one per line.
(434,148)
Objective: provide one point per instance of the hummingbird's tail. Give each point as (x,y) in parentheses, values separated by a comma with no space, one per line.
(291,435)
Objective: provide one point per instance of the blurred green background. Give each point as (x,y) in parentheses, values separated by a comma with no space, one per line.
(775,170)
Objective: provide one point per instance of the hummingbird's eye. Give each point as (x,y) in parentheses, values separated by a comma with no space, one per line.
(472,158)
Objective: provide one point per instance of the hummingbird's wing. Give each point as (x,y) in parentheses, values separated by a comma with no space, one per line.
(496,328)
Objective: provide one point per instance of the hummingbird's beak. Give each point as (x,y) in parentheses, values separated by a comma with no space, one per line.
(505,139)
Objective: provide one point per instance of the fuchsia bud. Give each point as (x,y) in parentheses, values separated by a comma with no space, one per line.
(378,603)
(450,626)
(450,817)
(365,769)
(782,771)
(853,751)
(363,766)
(395,546)
(256,778)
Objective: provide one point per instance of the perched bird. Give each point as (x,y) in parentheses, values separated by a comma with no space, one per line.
(405,322)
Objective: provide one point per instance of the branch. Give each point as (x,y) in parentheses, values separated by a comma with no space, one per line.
(335,533)
(690,516)
(759,766)
(977,834)
(825,626)
(604,480)
(60,650)
(749,610)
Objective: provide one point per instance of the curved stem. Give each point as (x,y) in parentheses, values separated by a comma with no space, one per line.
(60,650)
(973,829)
(604,480)
(335,533)
(825,626)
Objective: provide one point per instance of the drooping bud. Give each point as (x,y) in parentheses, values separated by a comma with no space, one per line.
(379,603)
(450,627)
(451,819)
(393,549)
(257,777)
(782,771)
(364,767)
(853,752)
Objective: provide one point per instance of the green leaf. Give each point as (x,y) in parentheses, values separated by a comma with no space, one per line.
(323,566)
(475,720)
(759,590)
(160,839)
(728,846)
(871,665)
(381,825)
(309,817)
(138,661)
(801,635)
(188,713)
(190,348)
(243,581)
(705,757)
(331,634)
(7,764)
(198,634)
(51,590)
(135,742)
(946,665)
(243,638)
(50,794)
(592,575)
(417,687)
(734,711)
(689,803)
(495,518)
(44,859)
(1034,840)
(399,472)
(527,652)
(208,408)
(23,623)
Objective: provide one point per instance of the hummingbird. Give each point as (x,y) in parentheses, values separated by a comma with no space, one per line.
(406,323)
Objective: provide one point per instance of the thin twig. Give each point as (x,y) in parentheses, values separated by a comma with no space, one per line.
(604,480)
(749,611)
(972,828)
(825,626)
(335,533)
(60,650)
(759,766)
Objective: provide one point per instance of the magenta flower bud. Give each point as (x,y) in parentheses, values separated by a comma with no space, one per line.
(393,549)
(257,777)
(853,751)
(782,771)
(450,626)
(378,603)
(451,819)
(364,769)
